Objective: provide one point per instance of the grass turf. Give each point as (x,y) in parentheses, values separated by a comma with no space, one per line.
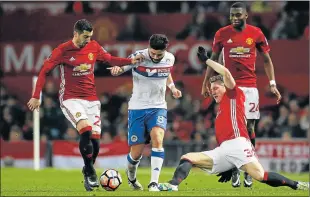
(55,182)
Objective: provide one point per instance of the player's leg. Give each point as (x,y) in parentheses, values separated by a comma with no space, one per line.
(273,179)
(248,182)
(74,111)
(93,110)
(156,125)
(136,140)
(252,114)
(213,161)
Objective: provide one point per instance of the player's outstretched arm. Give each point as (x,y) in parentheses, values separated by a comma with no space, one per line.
(229,81)
(50,63)
(209,73)
(116,70)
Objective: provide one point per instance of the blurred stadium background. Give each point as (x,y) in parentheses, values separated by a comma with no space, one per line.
(29,32)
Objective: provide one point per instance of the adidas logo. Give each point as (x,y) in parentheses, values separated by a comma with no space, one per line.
(156,169)
(71,59)
(229,41)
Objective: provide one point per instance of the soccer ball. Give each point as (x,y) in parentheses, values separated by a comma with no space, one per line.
(110,180)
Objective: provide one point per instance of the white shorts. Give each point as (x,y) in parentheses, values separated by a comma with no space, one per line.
(251,104)
(232,153)
(78,109)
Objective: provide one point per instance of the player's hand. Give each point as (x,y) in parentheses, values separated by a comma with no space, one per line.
(176,93)
(116,70)
(225,176)
(137,59)
(34,104)
(205,91)
(276,92)
(202,54)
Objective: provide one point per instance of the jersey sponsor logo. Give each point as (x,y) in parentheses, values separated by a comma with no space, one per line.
(249,41)
(161,72)
(82,69)
(90,56)
(241,52)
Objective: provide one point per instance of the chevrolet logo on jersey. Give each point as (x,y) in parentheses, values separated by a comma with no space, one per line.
(82,68)
(239,50)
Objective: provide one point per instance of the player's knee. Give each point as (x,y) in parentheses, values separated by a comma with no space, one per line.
(257,173)
(83,124)
(189,157)
(157,136)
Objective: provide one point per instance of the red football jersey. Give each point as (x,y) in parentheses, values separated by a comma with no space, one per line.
(239,51)
(76,69)
(230,120)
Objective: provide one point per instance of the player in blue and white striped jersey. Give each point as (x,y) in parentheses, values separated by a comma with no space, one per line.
(147,108)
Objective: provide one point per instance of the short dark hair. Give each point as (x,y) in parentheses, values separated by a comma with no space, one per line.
(158,41)
(83,25)
(216,78)
(239,5)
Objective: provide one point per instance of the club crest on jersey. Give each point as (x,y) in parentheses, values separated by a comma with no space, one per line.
(134,138)
(78,114)
(249,41)
(90,56)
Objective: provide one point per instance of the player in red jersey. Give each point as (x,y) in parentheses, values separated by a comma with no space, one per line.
(235,148)
(78,99)
(238,43)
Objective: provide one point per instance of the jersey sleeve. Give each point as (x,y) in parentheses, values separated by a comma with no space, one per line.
(130,66)
(103,55)
(217,45)
(262,43)
(234,93)
(49,64)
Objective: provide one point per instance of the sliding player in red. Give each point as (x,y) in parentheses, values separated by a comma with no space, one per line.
(238,43)
(78,99)
(235,149)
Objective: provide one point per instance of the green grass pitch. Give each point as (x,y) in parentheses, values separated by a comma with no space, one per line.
(55,182)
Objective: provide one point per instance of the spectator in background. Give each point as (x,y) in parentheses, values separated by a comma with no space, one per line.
(294,127)
(16,134)
(257,21)
(116,7)
(28,127)
(133,30)
(260,7)
(79,7)
(286,27)
(6,123)
(51,91)
(52,120)
(71,135)
(196,29)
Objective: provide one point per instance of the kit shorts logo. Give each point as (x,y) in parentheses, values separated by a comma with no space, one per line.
(134,138)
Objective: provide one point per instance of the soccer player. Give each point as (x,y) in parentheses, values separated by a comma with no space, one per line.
(147,109)
(238,43)
(235,148)
(78,99)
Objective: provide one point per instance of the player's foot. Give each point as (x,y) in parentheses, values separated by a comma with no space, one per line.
(168,187)
(235,178)
(248,182)
(134,184)
(90,179)
(153,187)
(302,185)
